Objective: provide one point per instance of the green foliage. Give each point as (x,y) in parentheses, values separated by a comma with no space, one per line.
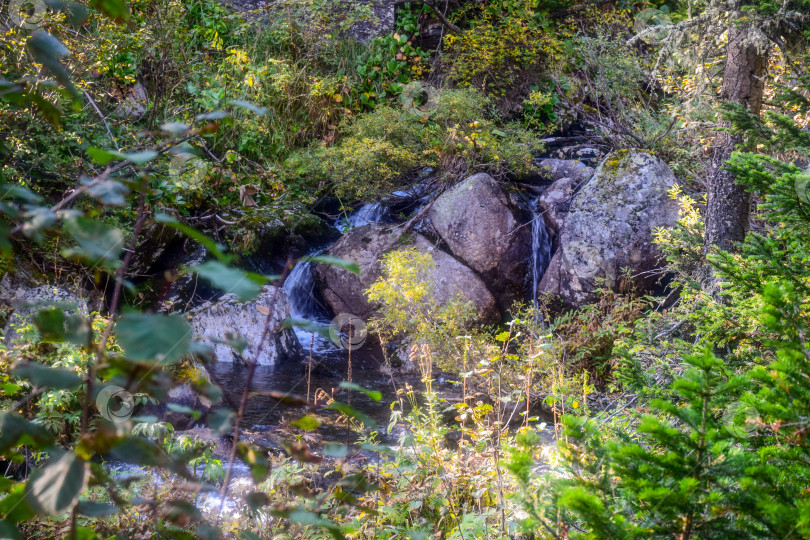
(383,148)
(410,308)
(504,47)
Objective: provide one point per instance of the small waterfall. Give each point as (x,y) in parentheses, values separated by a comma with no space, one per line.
(300,289)
(541,249)
(300,284)
(368,214)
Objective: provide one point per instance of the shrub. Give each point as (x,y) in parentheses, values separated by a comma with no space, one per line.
(383,148)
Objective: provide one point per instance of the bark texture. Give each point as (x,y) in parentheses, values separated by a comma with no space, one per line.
(743,83)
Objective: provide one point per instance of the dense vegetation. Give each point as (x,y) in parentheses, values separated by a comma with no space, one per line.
(679,416)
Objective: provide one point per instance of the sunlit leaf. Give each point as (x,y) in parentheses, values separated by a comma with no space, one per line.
(308,326)
(54,487)
(307,423)
(245,285)
(114,9)
(334,261)
(373,394)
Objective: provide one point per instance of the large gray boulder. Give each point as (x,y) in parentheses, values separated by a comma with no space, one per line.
(213,321)
(555,202)
(610,226)
(489,234)
(344,291)
(380,23)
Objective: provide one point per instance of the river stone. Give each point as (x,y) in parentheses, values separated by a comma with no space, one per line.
(549,170)
(21,298)
(610,226)
(555,202)
(488,233)
(214,320)
(380,23)
(344,291)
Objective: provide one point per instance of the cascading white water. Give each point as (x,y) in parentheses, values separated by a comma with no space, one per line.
(300,289)
(300,284)
(368,214)
(541,249)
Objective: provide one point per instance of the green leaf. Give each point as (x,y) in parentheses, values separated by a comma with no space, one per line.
(109,192)
(352,412)
(37,218)
(179,511)
(184,409)
(220,420)
(334,261)
(47,50)
(114,9)
(96,242)
(55,487)
(18,192)
(307,423)
(15,430)
(335,450)
(137,451)
(214,115)
(96,509)
(14,507)
(55,327)
(10,531)
(46,376)
(261,111)
(373,394)
(103,157)
(218,250)
(139,158)
(174,128)
(76,13)
(51,325)
(245,285)
(48,110)
(256,459)
(309,326)
(147,337)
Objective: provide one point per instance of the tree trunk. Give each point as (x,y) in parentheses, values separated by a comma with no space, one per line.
(743,83)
